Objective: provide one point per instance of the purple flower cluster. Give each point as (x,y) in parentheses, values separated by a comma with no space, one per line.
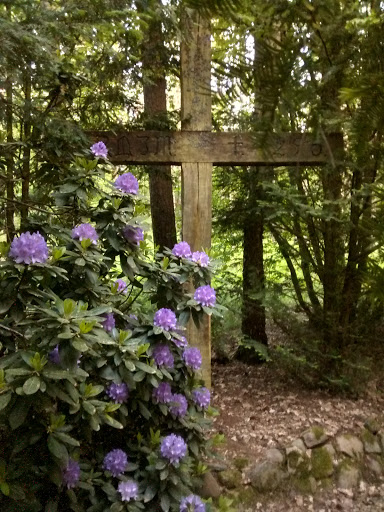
(192,357)
(133,234)
(99,149)
(163,356)
(205,295)
(115,462)
(165,318)
(109,322)
(178,405)
(127,183)
(201,397)
(173,448)
(163,393)
(29,248)
(71,473)
(121,286)
(201,258)
(182,250)
(118,392)
(192,503)
(85,231)
(54,355)
(181,343)
(129,490)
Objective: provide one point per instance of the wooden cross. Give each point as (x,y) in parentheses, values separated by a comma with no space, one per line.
(197,149)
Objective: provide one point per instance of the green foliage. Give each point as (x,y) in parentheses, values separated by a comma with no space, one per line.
(54,410)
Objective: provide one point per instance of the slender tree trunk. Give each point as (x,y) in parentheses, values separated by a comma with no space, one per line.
(253,312)
(10,208)
(155,107)
(26,167)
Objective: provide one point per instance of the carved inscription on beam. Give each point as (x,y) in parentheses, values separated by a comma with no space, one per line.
(221,148)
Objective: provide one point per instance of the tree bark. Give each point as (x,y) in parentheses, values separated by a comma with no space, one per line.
(10,208)
(253,311)
(155,108)
(26,166)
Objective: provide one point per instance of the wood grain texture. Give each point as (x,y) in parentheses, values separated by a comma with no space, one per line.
(196,174)
(220,148)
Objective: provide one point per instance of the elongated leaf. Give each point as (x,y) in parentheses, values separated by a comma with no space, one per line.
(32,385)
(4,400)
(19,413)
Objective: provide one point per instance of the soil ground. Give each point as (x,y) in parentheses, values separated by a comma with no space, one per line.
(259,409)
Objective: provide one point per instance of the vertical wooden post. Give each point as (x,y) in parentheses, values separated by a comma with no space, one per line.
(197,177)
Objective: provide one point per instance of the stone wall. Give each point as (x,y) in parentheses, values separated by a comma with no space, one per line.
(317,461)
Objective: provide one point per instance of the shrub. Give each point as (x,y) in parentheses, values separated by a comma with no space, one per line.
(98,402)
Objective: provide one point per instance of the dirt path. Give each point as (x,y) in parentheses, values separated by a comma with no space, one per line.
(259,410)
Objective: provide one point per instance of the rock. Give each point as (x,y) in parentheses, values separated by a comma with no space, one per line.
(372,425)
(210,487)
(322,462)
(275,455)
(240,463)
(315,436)
(306,485)
(371,442)
(374,465)
(297,461)
(350,445)
(230,478)
(298,443)
(348,475)
(266,476)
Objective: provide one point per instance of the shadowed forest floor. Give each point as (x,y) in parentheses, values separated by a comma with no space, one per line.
(259,409)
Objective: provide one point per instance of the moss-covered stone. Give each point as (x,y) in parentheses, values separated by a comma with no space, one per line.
(305,485)
(348,474)
(240,463)
(371,442)
(231,478)
(247,496)
(315,436)
(322,463)
(298,462)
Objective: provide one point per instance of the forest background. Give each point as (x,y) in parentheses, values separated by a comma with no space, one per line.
(300,247)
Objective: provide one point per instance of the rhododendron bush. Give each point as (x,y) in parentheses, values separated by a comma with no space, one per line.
(101,403)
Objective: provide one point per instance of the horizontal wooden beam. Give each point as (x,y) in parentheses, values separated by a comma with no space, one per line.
(219,148)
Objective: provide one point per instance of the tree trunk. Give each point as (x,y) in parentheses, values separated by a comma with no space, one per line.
(253,313)
(155,108)
(26,168)
(10,208)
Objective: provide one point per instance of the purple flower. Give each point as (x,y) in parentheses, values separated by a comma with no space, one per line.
(54,355)
(178,405)
(201,397)
(99,149)
(182,250)
(71,473)
(29,248)
(118,392)
(201,258)
(163,393)
(163,356)
(192,357)
(173,448)
(85,231)
(129,490)
(181,343)
(121,286)
(133,234)
(115,462)
(127,183)
(109,322)
(192,503)
(205,295)
(165,318)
